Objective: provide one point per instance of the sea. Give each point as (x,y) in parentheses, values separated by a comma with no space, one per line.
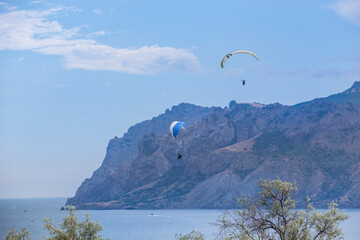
(127,224)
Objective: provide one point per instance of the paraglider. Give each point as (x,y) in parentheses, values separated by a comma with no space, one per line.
(236,52)
(175,128)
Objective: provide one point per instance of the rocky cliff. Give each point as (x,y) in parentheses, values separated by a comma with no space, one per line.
(225,151)
(121,152)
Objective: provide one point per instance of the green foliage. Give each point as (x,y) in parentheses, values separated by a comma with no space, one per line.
(72,229)
(14,235)
(193,235)
(272,215)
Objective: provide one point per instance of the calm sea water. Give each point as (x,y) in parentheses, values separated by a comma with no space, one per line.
(126,224)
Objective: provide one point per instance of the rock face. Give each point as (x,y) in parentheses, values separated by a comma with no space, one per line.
(114,171)
(225,152)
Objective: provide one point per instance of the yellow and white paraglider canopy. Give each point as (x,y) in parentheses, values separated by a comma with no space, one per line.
(236,52)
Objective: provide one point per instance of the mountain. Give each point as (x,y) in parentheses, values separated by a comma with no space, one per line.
(226,150)
(122,151)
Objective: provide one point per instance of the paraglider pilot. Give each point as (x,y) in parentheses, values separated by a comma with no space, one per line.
(243,82)
(174,130)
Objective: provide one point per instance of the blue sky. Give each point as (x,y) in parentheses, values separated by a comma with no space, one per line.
(74,74)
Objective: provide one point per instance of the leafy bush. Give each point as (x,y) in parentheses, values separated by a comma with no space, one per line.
(273,215)
(70,229)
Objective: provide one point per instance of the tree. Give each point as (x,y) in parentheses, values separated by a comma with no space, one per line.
(272,215)
(72,229)
(14,235)
(193,235)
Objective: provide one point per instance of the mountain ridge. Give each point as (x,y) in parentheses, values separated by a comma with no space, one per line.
(225,150)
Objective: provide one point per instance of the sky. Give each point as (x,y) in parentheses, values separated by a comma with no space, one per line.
(75,74)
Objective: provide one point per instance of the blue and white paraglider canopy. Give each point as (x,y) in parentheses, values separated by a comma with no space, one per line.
(175,128)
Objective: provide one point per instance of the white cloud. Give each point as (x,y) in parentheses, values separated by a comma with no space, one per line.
(145,60)
(94,34)
(26,30)
(35,2)
(98,11)
(31,30)
(7,6)
(348,9)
